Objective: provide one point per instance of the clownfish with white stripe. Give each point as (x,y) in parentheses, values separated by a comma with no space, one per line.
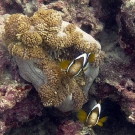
(91,118)
(74,67)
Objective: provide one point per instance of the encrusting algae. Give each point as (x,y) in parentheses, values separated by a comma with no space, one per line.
(47,40)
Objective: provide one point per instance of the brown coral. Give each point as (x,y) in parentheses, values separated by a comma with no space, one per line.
(59,86)
(48,40)
(16,24)
(31,39)
(46,28)
(79,97)
(51,18)
(54,96)
(25,52)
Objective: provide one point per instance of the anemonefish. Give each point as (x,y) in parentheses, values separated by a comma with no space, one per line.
(91,118)
(77,65)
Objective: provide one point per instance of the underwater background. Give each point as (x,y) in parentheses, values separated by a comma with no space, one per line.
(59,59)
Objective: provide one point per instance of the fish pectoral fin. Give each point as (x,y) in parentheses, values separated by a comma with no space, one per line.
(82,115)
(102,120)
(91,58)
(64,64)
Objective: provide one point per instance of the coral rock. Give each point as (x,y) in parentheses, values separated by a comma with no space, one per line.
(117,76)
(125,21)
(41,46)
(11,94)
(69,128)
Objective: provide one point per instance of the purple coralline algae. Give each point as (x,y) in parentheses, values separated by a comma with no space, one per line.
(11,94)
(16,107)
(26,6)
(116,79)
(4,58)
(69,128)
(23,111)
(105,10)
(125,20)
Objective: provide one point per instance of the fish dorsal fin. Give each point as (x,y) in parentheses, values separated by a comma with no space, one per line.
(100,102)
(84,56)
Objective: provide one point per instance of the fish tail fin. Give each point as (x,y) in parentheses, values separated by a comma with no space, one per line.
(82,115)
(102,120)
(100,124)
